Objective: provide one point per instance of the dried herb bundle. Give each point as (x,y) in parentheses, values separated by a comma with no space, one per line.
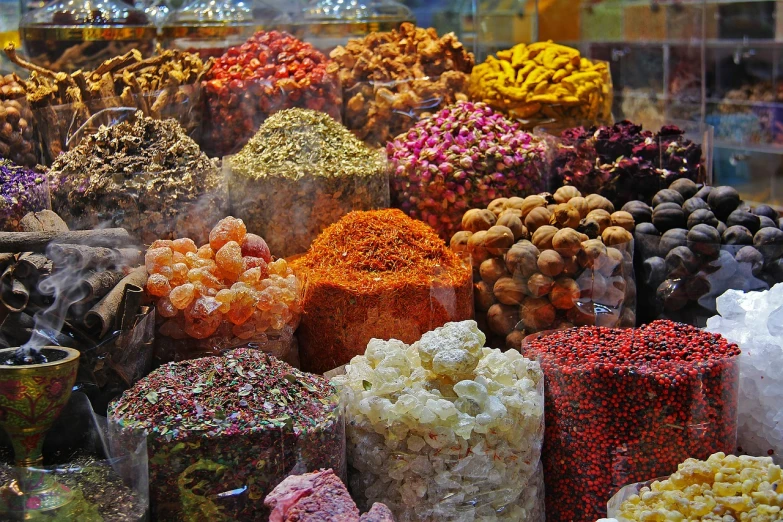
(301,172)
(147,177)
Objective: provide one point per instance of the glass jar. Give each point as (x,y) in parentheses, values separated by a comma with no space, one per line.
(208,27)
(329,23)
(68,35)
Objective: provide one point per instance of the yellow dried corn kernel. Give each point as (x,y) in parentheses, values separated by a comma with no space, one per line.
(742,488)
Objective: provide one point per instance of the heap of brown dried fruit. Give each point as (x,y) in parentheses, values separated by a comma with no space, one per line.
(392,79)
(16,123)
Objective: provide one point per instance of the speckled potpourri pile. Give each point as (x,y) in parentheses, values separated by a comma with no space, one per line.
(21,191)
(462,157)
(300,173)
(147,176)
(627,405)
(444,429)
(224,431)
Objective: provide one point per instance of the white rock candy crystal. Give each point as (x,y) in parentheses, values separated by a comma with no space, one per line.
(445,429)
(754,321)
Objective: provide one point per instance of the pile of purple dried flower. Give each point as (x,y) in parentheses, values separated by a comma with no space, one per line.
(624,162)
(462,157)
(21,191)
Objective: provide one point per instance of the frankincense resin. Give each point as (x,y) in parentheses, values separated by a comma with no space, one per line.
(627,405)
(223,294)
(445,429)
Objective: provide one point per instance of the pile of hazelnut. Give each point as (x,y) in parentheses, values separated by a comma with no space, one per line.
(549,261)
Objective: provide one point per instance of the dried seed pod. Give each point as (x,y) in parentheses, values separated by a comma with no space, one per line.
(477,248)
(537,313)
(493,269)
(602,217)
(538,217)
(542,238)
(580,204)
(571,266)
(496,206)
(510,290)
(459,241)
(616,236)
(529,203)
(514,223)
(483,295)
(590,252)
(521,259)
(498,240)
(477,219)
(539,285)
(502,319)
(510,212)
(564,294)
(596,201)
(550,263)
(565,215)
(623,219)
(567,242)
(565,193)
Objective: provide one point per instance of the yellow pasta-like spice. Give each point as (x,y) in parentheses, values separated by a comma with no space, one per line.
(544,81)
(743,488)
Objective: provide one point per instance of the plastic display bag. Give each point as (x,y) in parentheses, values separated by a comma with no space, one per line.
(625,162)
(378,111)
(115,177)
(234,112)
(290,212)
(682,283)
(226,451)
(626,492)
(610,422)
(108,483)
(341,317)
(444,442)
(524,290)
(60,128)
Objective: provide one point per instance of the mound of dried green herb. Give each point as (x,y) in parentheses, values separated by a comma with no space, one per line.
(300,173)
(146,176)
(224,431)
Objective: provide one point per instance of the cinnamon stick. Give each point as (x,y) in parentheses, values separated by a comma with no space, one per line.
(13,293)
(129,307)
(37,241)
(104,313)
(89,257)
(98,284)
(19,327)
(32,265)
(6,259)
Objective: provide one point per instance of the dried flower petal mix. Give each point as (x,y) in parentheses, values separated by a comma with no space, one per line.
(463,157)
(21,191)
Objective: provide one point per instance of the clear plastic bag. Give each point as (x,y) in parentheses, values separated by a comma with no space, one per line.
(518,292)
(224,469)
(107,482)
(378,111)
(625,162)
(433,449)
(290,212)
(649,417)
(339,319)
(681,284)
(60,128)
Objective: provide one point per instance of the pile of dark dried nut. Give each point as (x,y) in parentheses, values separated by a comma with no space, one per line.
(393,79)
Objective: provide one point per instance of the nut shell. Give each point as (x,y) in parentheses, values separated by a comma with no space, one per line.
(567,242)
(476,220)
(623,219)
(542,238)
(565,193)
(538,217)
(510,290)
(596,201)
(498,240)
(551,263)
(565,216)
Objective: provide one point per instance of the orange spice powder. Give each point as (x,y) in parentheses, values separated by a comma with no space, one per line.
(377,274)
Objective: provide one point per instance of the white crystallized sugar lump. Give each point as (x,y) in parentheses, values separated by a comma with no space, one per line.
(754,321)
(445,429)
